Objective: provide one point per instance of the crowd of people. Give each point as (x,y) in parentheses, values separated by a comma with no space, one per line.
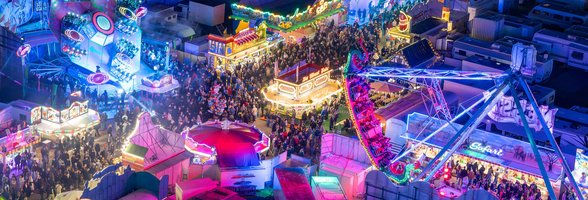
(66,163)
(476,175)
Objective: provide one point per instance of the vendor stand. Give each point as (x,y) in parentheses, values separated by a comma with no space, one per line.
(15,143)
(503,154)
(302,87)
(246,45)
(57,124)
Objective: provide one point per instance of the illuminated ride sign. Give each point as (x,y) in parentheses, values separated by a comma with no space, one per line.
(74,35)
(505,111)
(479,147)
(23,50)
(98,78)
(141,12)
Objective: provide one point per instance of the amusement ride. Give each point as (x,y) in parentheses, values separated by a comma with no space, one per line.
(359,73)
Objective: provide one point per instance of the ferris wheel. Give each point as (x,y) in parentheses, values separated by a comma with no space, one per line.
(358,74)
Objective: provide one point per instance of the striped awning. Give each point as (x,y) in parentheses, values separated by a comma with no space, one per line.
(246,36)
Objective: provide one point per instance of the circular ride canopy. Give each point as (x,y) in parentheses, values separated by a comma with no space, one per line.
(235,144)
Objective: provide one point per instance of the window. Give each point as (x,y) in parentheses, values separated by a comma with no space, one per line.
(577,55)
(558,17)
(461,53)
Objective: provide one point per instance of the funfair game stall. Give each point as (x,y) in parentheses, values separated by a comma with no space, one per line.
(73,120)
(226,51)
(292,19)
(302,87)
(15,143)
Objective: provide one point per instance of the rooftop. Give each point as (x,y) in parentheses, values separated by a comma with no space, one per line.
(426,25)
(562,7)
(512,20)
(419,53)
(488,63)
(491,16)
(212,3)
(500,49)
(563,36)
(578,30)
(572,116)
(306,69)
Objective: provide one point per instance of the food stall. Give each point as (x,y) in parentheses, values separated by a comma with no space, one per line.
(301,87)
(73,120)
(226,51)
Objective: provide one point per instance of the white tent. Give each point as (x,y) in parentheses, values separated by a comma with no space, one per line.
(161,144)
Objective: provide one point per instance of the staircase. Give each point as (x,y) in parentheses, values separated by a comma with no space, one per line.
(220,28)
(396,148)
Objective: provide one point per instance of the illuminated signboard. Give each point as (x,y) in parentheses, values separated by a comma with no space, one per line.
(46,113)
(479,147)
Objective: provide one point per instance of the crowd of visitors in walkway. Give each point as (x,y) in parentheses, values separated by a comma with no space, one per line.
(475,175)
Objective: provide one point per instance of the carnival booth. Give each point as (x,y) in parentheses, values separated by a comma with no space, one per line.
(15,143)
(71,121)
(301,87)
(512,158)
(345,159)
(246,45)
(292,19)
(155,150)
(228,151)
